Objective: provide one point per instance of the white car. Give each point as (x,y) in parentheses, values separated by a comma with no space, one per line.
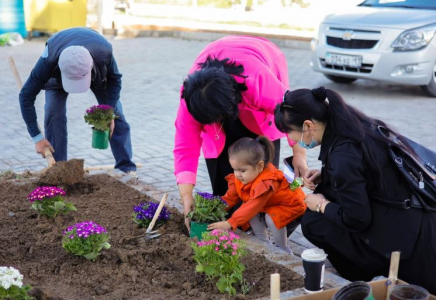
(387,40)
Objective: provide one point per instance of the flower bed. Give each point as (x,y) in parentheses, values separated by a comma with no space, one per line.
(131,268)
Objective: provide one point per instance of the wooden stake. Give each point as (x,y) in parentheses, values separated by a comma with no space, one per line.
(275,286)
(15,72)
(393,272)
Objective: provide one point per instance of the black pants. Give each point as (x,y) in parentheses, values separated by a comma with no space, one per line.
(349,256)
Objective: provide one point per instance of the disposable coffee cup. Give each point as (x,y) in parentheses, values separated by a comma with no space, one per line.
(314,266)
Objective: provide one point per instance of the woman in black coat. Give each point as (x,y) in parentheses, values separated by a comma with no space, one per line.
(360,209)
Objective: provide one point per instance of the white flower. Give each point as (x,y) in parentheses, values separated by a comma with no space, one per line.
(10,276)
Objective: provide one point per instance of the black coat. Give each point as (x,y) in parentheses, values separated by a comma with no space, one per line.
(356,194)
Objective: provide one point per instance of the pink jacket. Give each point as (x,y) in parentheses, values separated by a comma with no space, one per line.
(267,71)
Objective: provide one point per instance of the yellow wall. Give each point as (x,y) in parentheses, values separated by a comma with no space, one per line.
(54,15)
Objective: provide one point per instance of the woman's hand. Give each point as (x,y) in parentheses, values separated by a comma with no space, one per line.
(219,225)
(299,161)
(312,200)
(185,191)
(312,178)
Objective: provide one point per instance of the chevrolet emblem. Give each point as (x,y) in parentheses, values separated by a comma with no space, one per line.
(347,35)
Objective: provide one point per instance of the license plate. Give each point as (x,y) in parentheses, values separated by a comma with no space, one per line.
(343,60)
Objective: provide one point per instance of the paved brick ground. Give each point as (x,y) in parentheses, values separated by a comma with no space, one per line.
(153,70)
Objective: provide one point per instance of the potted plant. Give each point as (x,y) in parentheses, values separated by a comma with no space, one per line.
(86,239)
(144,212)
(100,117)
(207,209)
(218,255)
(11,285)
(48,201)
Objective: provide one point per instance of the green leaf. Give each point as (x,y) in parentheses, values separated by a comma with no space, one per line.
(222,284)
(209,270)
(106,245)
(70,206)
(91,256)
(199,268)
(58,205)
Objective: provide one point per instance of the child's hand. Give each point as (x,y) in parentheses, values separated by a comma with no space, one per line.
(219,225)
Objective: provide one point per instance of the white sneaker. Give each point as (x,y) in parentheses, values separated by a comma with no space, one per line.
(287,249)
(133,174)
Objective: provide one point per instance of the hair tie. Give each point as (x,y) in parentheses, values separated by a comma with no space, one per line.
(320,93)
(284,95)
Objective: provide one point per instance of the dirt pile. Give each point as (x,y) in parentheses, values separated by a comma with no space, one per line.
(131,269)
(63,173)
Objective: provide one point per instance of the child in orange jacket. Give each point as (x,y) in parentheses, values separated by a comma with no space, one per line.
(262,188)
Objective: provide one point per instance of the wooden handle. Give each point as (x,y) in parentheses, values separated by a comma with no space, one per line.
(49,157)
(156,214)
(393,272)
(15,72)
(105,167)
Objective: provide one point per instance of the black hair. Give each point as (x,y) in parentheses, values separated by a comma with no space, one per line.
(212,94)
(327,106)
(253,150)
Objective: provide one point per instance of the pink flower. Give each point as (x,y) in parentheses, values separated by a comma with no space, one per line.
(217,249)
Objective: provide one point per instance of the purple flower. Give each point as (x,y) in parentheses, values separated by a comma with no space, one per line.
(100,107)
(84,229)
(211,197)
(43,192)
(146,211)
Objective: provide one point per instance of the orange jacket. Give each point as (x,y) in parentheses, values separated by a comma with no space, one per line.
(268,193)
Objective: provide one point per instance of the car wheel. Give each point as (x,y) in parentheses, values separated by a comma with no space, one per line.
(340,79)
(430,89)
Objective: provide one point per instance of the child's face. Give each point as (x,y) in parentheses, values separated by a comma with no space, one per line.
(244,172)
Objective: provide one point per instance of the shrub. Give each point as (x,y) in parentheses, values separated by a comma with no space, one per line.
(11,285)
(218,256)
(86,239)
(144,212)
(100,116)
(208,208)
(48,201)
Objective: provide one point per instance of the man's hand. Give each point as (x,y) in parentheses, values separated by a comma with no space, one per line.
(220,225)
(41,145)
(112,128)
(299,161)
(312,178)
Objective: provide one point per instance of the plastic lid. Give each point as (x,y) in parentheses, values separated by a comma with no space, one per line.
(314,254)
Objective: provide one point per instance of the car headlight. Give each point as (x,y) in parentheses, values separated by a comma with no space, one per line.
(414,39)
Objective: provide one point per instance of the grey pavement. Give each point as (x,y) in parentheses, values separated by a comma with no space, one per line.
(153,69)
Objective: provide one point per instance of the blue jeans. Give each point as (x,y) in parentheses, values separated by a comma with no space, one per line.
(55,125)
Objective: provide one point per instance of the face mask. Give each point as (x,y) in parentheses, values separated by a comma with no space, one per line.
(302,144)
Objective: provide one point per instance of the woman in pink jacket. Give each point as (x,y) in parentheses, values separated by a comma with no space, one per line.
(231,92)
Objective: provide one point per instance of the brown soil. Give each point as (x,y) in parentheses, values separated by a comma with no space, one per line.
(131,269)
(63,173)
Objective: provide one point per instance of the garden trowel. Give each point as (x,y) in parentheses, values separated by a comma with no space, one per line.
(149,234)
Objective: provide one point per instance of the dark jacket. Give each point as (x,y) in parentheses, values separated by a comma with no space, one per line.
(356,196)
(105,82)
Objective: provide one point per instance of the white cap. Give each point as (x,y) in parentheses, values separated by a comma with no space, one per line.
(75,63)
(314,254)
